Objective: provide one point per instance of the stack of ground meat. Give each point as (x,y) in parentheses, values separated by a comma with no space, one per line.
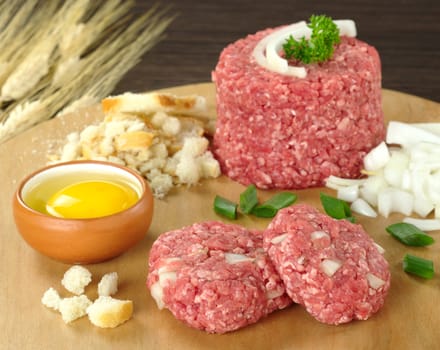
(279,131)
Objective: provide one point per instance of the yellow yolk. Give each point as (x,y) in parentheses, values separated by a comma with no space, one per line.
(91,199)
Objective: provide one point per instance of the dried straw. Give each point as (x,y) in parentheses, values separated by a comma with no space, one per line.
(60,55)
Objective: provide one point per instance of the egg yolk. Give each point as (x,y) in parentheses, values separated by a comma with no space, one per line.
(91,199)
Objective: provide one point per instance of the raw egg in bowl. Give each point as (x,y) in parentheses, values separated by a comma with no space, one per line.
(83,211)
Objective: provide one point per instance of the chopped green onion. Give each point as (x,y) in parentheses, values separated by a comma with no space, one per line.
(336,208)
(225,207)
(248,199)
(409,234)
(418,266)
(269,208)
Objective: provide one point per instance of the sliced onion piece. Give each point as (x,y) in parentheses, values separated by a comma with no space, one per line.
(374,281)
(169,265)
(392,200)
(424,190)
(403,202)
(433,184)
(165,277)
(318,235)
(349,193)
(279,64)
(347,27)
(406,184)
(424,224)
(409,134)
(360,206)
(278,239)
(419,180)
(232,258)
(377,158)
(260,52)
(330,266)
(336,183)
(426,153)
(385,203)
(431,127)
(395,167)
(156,291)
(380,249)
(372,187)
(274,293)
(437,211)
(423,206)
(320,239)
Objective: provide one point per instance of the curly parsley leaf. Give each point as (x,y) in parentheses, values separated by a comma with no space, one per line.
(320,46)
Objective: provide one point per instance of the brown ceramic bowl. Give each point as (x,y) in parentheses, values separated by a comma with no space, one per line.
(87,240)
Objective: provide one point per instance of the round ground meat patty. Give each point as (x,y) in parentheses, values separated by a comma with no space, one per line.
(280,131)
(214,276)
(332,267)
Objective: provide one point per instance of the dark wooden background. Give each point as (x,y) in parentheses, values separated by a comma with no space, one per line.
(405,32)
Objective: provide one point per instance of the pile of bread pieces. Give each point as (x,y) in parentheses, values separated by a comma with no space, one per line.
(160,135)
(105,312)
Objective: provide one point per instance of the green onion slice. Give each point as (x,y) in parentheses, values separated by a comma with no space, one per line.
(336,208)
(418,266)
(248,199)
(225,207)
(409,234)
(269,208)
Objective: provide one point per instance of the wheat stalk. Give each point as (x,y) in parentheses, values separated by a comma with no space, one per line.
(77,55)
(25,27)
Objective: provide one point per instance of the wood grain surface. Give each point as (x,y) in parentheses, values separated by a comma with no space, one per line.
(408,320)
(405,32)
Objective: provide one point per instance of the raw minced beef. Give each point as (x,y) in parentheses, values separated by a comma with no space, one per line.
(332,267)
(279,131)
(214,276)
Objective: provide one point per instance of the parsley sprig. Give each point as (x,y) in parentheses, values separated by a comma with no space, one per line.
(320,46)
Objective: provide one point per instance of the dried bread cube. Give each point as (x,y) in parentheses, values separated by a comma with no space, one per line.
(190,127)
(51,299)
(161,184)
(158,119)
(195,146)
(113,128)
(74,307)
(108,284)
(209,166)
(72,148)
(134,140)
(106,147)
(187,170)
(108,312)
(76,279)
(171,126)
(194,161)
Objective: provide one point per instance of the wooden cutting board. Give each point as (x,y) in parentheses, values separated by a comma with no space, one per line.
(408,320)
